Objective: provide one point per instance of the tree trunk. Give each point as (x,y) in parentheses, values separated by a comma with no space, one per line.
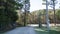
(25,18)
(54,12)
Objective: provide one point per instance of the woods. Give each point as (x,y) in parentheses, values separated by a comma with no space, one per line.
(10,17)
(8,14)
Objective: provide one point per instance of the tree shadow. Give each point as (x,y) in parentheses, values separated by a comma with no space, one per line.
(45,31)
(6,30)
(48,32)
(54,32)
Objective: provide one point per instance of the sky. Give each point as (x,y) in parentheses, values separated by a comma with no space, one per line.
(37,4)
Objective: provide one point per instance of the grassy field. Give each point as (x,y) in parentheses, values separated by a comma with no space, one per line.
(43,30)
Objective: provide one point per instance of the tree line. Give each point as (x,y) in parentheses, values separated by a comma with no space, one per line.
(32,17)
(8,14)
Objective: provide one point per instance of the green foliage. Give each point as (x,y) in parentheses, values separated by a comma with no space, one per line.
(8,13)
(58,14)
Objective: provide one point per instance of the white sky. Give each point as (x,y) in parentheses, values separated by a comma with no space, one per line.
(37,4)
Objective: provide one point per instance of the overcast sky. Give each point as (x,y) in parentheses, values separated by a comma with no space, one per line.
(37,4)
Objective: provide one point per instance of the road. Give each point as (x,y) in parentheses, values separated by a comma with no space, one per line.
(25,30)
(22,30)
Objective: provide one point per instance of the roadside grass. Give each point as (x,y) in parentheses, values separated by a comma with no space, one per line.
(43,30)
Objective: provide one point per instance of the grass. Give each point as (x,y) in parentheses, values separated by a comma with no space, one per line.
(43,30)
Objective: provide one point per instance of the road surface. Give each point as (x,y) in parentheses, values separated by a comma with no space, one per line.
(22,30)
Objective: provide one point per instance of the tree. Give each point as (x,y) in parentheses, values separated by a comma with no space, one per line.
(47,18)
(53,2)
(39,19)
(26,9)
(58,14)
(8,15)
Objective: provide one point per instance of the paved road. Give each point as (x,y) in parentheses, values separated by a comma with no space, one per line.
(22,30)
